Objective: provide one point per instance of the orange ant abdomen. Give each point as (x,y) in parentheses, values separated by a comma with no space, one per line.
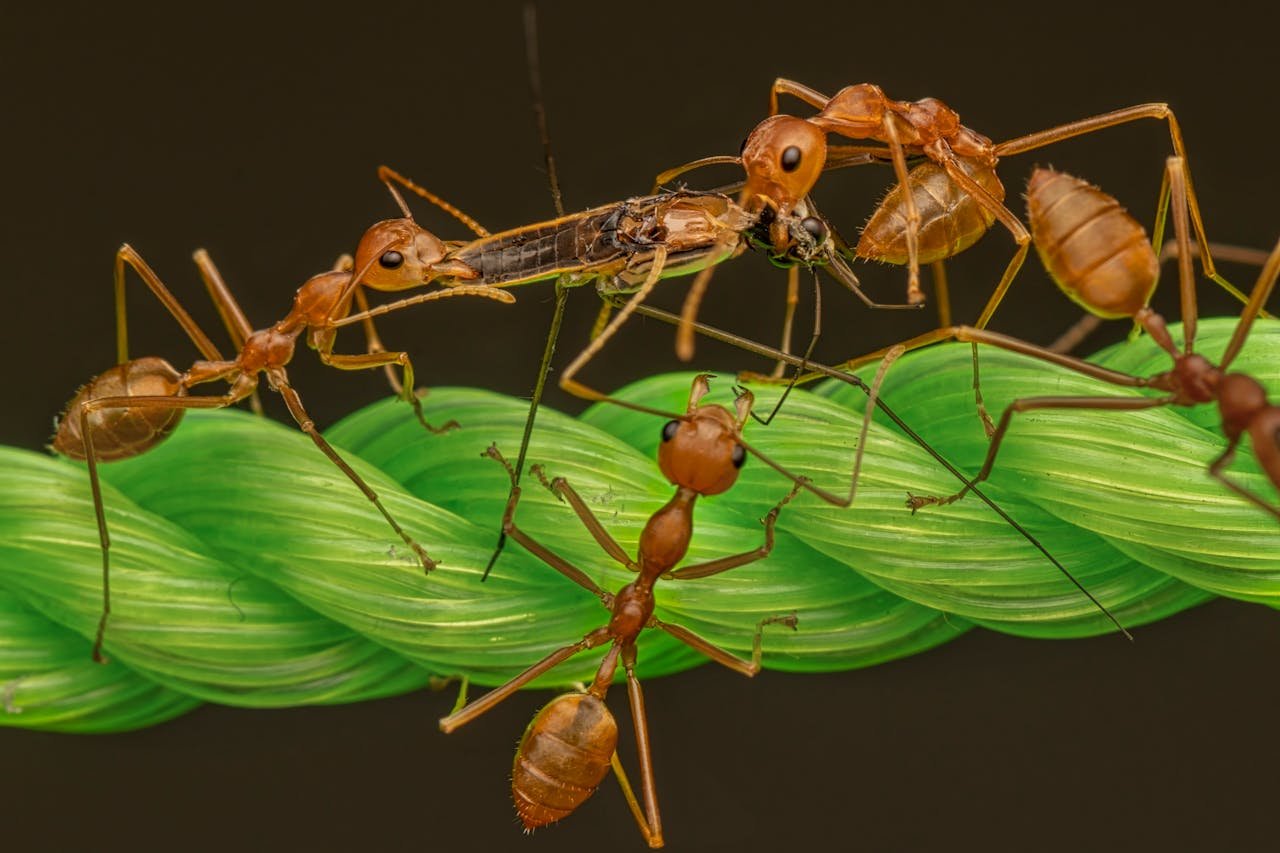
(562,758)
(119,433)
(951,220)
(1093,249)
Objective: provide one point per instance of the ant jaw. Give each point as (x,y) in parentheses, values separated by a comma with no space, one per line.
(701,388)
(742,404)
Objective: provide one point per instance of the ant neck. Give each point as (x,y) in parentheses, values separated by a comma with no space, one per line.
(666,536)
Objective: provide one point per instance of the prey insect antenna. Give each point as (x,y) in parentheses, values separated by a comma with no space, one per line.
(539,108)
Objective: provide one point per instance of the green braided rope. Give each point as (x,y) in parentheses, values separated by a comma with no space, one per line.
(248,571)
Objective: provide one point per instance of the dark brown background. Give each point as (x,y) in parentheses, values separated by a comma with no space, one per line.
(256,135)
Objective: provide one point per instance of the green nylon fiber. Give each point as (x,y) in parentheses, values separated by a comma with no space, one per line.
(247,570)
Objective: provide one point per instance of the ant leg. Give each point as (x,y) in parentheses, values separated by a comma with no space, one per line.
(1174,175)
(87,409)
(689,313)
(630,796)
(748,668)
(373,341)
(1029,404)
(456,720)
(788,317)
(914,295)
(233,317)
(1257,298)
(391,177)
(487,291)
(602,320)
(724,564)
(782,362)
(561,489)
(1076,333)
(873,400)
(1222,251)
(941,292)
(1016,229)
(983,415)
(783,86)
(1123,116)
(126,254)
(651,826)
(839,269)
(563,283)
(386,360)
(568,383)
(546,555)
(1216,471)
(281,382)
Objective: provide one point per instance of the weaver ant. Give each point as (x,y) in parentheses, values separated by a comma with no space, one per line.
(935,211)
(135,405)
(569,747)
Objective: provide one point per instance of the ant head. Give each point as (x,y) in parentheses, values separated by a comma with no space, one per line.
(1241,402)
(1264,432)
(397,254)
(703,450)
(783,158)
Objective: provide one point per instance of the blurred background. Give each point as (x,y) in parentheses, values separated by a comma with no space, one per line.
(256,134)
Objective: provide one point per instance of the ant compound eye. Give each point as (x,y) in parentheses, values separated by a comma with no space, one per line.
(767,215)
(669,431)
(791,158)
(391,260)
(739,455)
(816,227)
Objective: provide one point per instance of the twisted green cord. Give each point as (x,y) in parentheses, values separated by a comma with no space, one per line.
(246,570)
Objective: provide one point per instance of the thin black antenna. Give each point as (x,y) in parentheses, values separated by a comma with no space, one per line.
(539,111)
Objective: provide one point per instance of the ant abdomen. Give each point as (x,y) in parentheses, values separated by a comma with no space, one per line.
(119,433)
(951,220)
(1092,248)
(563,756)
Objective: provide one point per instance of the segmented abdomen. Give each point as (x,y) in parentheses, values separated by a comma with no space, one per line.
(951,220)
(562,758)
(1093,249)
(124,432)
(580,243)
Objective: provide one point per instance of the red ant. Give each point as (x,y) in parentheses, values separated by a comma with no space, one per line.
(1111,272)
(569,747)
(936,210)
(135,405)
